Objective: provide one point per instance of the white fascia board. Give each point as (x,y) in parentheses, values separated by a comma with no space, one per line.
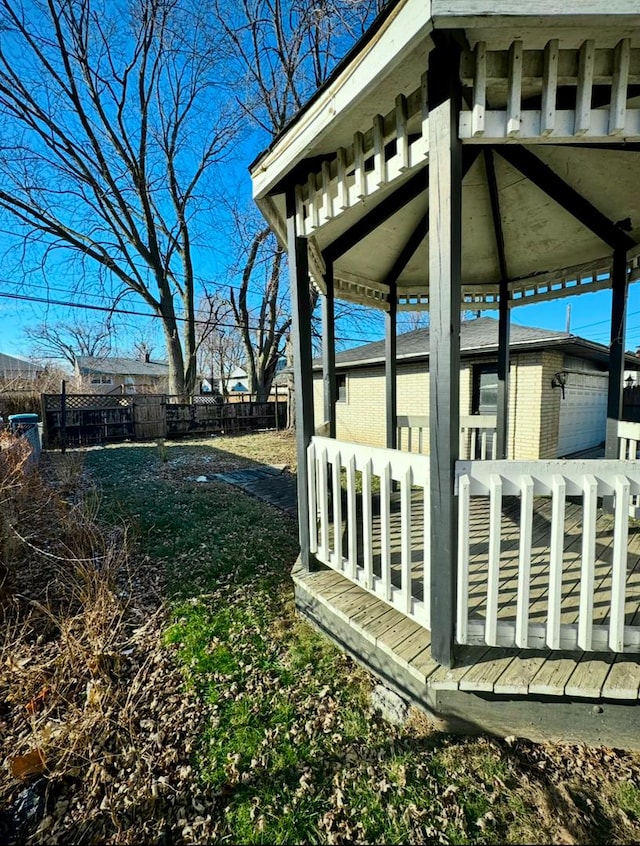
(409,23)
(469,13)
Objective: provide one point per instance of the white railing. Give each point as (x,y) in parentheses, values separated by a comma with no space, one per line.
(477,435)
(556,574)
(369,520)
(629,450)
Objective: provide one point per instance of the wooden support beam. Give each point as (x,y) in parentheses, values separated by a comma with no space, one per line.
(445,265)
(567,197)
(302,372)
(391,409)
(329,351)
(502,411)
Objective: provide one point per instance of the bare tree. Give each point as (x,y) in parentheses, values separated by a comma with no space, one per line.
(220,347)
(112,116)
(69,340)
(281,50)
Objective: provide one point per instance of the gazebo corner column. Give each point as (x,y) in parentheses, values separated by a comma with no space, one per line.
(619,286)
(302,371)
(445,206)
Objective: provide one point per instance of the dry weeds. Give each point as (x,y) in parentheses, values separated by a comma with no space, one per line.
(96,726)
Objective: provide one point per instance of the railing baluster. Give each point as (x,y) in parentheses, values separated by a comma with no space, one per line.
(493,573)
(385,529)
(324,507)
(367,525)
(619,563)
(337,511)
(524,562)
(405,539)
(464,523)
(314,215)
(352,526)
(559,490)
(313,498)
(589,516)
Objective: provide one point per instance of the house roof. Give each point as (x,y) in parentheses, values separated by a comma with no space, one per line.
(121,366)
(477,337)
(18,366)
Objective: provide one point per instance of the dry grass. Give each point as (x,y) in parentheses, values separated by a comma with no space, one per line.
(96,728)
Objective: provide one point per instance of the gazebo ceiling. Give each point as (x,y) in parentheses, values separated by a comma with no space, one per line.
(563,152)
(540,235)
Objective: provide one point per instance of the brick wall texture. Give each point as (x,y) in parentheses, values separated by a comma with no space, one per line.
(534,406)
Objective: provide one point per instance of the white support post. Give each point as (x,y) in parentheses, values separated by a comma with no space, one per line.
(358,164)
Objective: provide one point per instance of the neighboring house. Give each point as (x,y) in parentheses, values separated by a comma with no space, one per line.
(122,375)
(19,371)
(547,419)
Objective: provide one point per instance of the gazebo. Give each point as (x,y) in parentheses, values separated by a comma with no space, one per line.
(467,157)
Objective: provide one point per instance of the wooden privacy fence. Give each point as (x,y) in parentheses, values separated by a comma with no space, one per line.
(85,419)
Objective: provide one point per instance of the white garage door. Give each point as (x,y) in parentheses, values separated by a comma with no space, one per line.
(583,413)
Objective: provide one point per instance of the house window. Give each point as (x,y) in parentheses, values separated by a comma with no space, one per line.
(485,389)
(341,388)
(102,380)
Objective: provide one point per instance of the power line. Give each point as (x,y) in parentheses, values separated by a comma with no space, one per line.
(134,313)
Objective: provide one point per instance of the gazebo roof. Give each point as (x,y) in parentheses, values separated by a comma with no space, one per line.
(552,93)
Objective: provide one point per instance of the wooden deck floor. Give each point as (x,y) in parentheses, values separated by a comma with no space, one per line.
(510,537)
(591,692)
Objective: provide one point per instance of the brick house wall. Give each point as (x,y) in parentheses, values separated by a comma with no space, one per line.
(534,406)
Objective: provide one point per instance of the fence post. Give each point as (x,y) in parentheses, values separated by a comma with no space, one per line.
(63,417)
(277,409)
